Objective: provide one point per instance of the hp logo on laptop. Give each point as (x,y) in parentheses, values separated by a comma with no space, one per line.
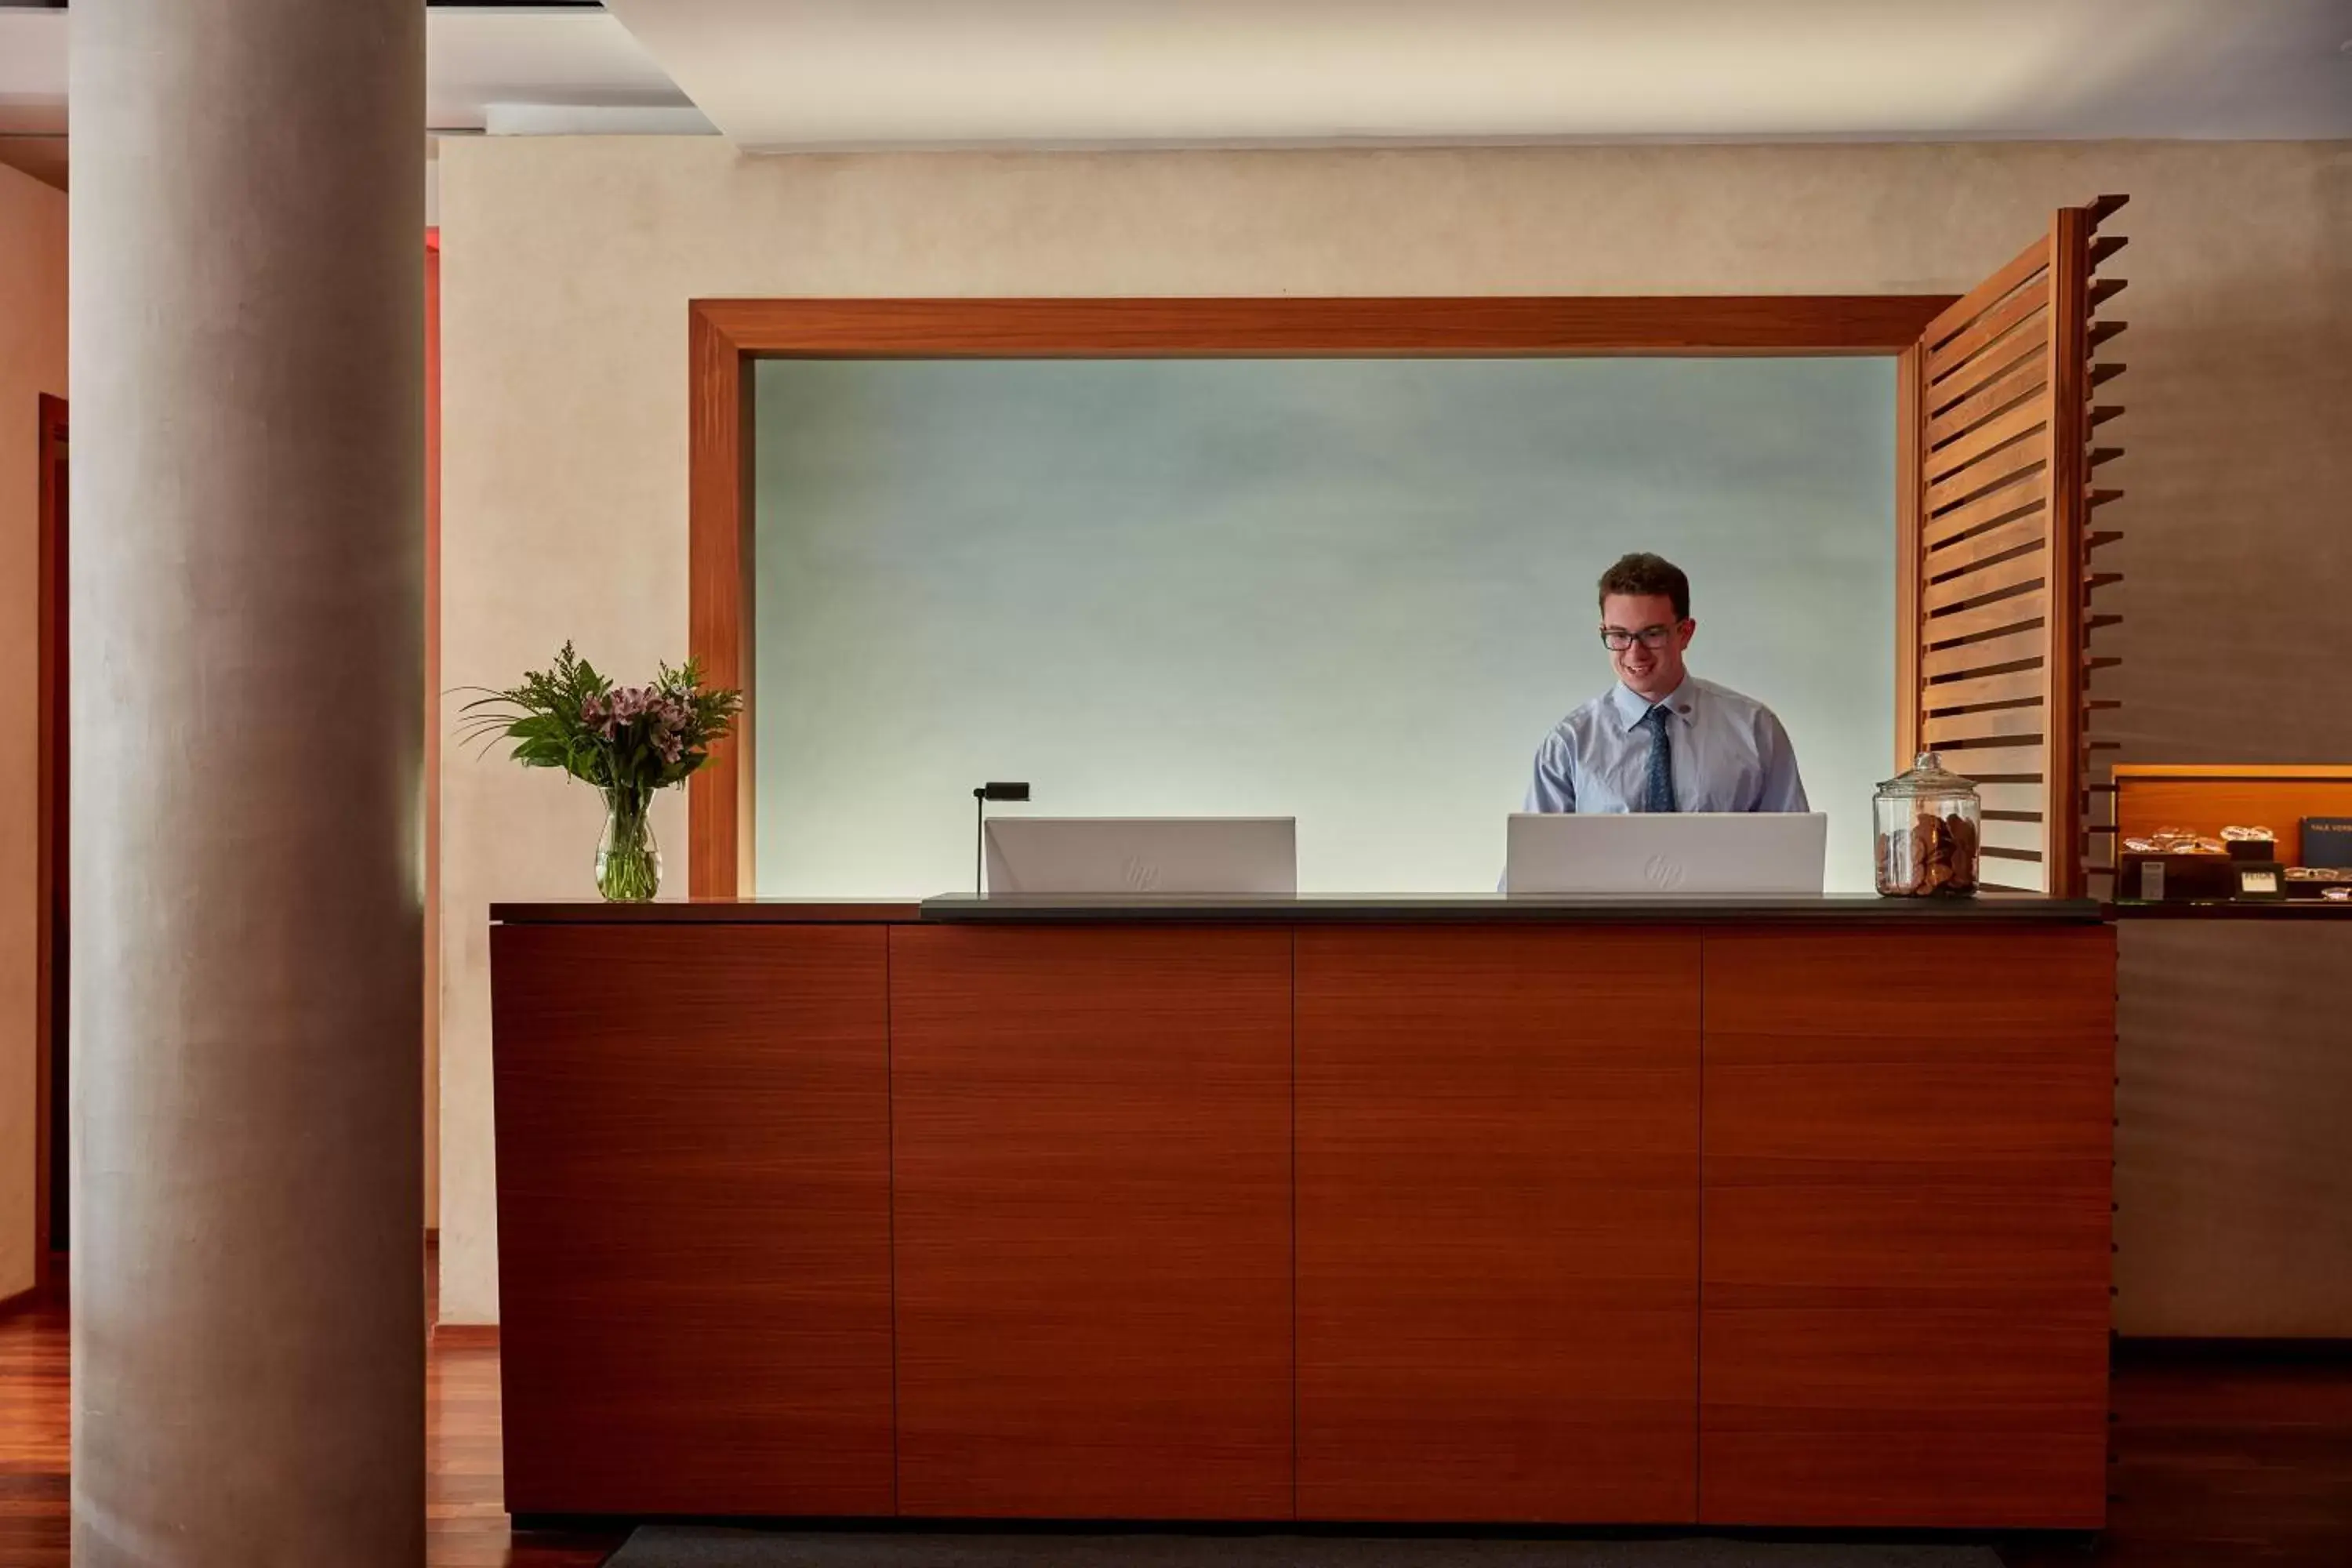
(1663,872)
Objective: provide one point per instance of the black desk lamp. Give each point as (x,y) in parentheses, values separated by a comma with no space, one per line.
(980,799)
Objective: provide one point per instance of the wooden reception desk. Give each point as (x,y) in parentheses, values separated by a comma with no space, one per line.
(1786,1212)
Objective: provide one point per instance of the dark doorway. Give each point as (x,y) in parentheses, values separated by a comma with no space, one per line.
(53,1196)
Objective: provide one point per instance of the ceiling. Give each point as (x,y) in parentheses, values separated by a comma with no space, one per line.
(785,75)
(795,75)
(512,68)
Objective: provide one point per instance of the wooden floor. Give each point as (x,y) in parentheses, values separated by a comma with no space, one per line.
(2217,1462)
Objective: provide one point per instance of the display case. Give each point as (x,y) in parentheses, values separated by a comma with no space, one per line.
(2235,839)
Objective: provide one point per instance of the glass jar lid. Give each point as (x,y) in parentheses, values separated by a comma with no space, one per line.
(1927,775)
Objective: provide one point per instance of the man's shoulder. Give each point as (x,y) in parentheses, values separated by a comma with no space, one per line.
(1737,705)
(1583,718)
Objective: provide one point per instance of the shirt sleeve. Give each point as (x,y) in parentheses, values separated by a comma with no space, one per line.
(1784,787)
(1553,788)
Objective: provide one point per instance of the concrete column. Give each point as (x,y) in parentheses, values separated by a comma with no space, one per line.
(247,341)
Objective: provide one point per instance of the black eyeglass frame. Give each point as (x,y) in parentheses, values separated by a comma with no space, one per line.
(1617,641)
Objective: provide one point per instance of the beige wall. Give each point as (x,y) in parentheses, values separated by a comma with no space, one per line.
(32,360)
(568,263)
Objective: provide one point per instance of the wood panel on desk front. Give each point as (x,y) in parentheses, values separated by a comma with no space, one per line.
(1904,1300)
(1091,1154)
(694,1222)
(1498,1224)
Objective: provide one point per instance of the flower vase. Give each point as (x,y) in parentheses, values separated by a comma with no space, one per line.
(629,863)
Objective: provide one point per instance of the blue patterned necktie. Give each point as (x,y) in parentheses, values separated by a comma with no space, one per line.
(1658,792)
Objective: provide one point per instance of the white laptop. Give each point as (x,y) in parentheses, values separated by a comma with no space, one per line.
(1143,855)
(1679,852)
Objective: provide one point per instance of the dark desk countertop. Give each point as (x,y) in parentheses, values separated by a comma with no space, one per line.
(1506,909)
(2233,909)
(1337,909)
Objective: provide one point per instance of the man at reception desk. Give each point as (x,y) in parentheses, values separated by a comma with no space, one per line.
(1661,739)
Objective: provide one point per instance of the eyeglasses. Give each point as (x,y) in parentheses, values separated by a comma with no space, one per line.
(1618,641)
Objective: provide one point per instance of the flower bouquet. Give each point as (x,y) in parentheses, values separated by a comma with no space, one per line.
(626,741)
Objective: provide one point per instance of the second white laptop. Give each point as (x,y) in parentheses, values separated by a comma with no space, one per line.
(1143,855)
(1682,852)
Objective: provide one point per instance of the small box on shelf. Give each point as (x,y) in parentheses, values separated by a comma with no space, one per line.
(2177,878)
(2259,880)
(2327,841)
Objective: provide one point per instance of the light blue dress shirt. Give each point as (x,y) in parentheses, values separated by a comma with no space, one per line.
(1729,754)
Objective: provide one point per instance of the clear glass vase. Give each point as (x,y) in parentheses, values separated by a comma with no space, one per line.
(1931,826)
(628,862)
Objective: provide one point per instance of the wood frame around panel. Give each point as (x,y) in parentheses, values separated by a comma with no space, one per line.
(1910,578)
(50,636)
(2062,872)
(432,1043)
(721,335)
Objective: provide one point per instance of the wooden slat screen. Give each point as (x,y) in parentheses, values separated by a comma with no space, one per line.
(1994,604)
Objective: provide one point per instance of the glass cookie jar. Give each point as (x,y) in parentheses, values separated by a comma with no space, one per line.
(1929,822)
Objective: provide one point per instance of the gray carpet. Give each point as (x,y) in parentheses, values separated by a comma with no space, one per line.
(668,1546)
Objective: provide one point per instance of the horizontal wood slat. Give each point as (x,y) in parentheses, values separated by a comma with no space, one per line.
(1993,723)
(2103,373)
(1982,372)
(2023,837)
(2014,797)
(2104,412)
(1989,437)
(2003,852)
(1998,616)
(1984,655)
(2007,762)
(2106,247)
(2102,456)
(1979,581)
(2106,288)
(2020,495)
(2104,332)
(2025,457)
(2106,207)
(2005,279)
(2011,686)
(2030,378)
(2031,529)
(2094,498)
(1995,324)
(2009,878)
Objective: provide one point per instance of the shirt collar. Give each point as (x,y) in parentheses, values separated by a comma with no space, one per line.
(1633,708)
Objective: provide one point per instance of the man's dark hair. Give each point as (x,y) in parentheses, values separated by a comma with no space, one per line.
(1642,575)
